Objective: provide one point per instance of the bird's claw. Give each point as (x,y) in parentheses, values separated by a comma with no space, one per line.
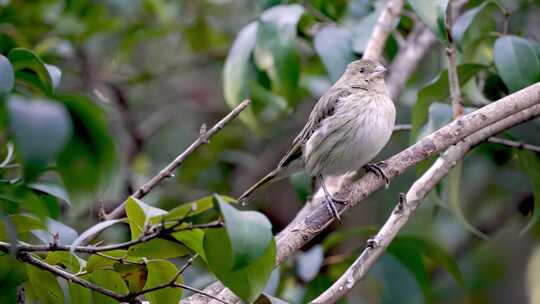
(377,169)
(372,243)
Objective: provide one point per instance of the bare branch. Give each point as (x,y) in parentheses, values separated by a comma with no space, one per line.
(493,140)
(385,24)
(412,200)
(170,168)
(453,78)
(417,44)
(514,144)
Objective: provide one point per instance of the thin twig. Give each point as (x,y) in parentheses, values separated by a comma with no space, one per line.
(28,258)
(171,167)
(195,290)
(187,264)
(453,77)
(152,232)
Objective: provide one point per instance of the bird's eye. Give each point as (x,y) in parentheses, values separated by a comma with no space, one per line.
(361,70)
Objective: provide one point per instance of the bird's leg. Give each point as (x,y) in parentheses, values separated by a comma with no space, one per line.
(331,201)
(377,168)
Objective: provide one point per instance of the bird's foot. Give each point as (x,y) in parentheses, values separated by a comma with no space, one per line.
(377,168)
(331,202)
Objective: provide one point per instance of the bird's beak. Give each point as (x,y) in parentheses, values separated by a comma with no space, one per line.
(379,70)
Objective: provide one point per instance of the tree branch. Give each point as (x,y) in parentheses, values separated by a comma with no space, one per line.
(152,232)
(28,258)
(419,41)
(170,168)
(453,78)
(385,24)
(412,200)
(494,140)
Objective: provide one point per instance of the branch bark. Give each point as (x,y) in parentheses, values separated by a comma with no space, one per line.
(417,45)
(384,26)
(412,200)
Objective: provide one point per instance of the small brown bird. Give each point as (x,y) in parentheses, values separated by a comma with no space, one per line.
(346,129)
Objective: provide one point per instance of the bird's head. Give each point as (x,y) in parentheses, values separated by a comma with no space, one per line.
(365,73)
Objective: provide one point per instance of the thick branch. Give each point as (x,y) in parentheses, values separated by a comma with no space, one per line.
(404,210)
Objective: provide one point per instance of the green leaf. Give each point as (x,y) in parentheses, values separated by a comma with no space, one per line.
(395,282)
(79,294)
(516,62)
(433,252)
(437,90)
(134,274)
(55,74)
(7,75)
(51,188)
(193,208)
(454,200)
(250,233)
(88,160)
(162,272)
(275,48)
(192,239)
(530,165)
(31,70)
(97,262)
(44,285)
(159,249)
(65,234)
(96,230)
(237,71)
(70,261)
(409,255)
(247,282)
(268,299)
(334,46)
(308,263)
(433,14)
(463,22)
(363,28)
(22,223)
(40,130)
(139,215)
(111,280)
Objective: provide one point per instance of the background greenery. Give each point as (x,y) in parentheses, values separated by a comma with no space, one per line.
(98,96)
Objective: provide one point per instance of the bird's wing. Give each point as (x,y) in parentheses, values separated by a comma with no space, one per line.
(323,109)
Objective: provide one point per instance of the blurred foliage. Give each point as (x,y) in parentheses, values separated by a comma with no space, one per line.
(97,96)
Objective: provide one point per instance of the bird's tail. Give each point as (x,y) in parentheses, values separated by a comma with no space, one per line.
(261,184)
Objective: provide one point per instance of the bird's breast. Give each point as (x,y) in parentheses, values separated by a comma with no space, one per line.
(353,136)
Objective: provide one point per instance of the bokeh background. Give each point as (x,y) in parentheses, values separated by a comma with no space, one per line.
(156,67)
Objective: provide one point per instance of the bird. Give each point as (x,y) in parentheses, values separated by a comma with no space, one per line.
(348,126)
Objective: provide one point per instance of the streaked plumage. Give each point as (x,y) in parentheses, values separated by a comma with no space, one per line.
(346,129)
